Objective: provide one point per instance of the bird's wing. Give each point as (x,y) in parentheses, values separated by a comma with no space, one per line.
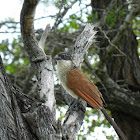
(78,82)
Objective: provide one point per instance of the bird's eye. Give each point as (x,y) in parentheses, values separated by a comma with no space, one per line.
(63,56)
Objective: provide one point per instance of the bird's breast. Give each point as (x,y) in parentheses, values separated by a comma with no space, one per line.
(63,80)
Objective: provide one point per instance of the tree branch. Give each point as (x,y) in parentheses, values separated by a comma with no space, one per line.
(119,96)
(43,37)
(27,31)
(83,42)
(105,14)
(128,20)
(73,121)
(60,15)
(42,117)
(112,92)
(42,64)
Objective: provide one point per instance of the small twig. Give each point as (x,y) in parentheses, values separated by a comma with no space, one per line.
(105,14)
(9,32)
(111,42)
(60,14)
(42,41)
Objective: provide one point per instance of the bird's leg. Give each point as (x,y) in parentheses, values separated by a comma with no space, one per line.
(73,105)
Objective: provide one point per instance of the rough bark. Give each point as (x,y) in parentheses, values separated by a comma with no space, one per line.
(119,67)
(12,123)
(43,126)
(23,118)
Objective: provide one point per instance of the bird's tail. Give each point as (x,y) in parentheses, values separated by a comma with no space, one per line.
(115,126)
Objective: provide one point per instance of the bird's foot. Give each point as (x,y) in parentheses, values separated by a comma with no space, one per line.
(71,107)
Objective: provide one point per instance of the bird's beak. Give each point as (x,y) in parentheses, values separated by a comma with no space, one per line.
(57,57)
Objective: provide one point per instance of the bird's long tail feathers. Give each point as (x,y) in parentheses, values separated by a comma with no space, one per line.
(115,126)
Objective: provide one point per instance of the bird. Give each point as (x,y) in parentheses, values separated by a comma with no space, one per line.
(78,85)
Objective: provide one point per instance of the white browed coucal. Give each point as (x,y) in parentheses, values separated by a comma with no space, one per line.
(76,83)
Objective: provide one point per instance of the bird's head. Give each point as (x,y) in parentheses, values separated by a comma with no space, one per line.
(63,56)
(64,61)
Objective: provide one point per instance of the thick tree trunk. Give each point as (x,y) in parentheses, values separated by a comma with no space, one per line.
(12,124)
(123,69)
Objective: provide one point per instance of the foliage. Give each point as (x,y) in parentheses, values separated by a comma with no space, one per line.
(92,17)
(72,23)
(14,57)
(136,30)
(115,17)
